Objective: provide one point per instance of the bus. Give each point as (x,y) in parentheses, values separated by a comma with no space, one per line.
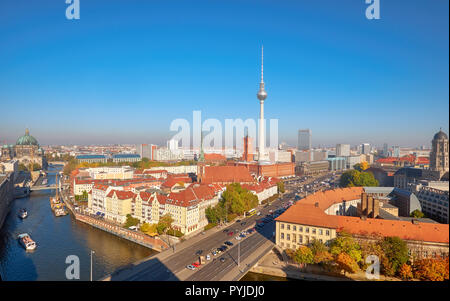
(251,212)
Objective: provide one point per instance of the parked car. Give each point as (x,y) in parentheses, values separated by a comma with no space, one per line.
(222,259)
(258,213)
(196,264)
(238,237)
(228,243)
(191,267)
(238,221)
(208,257)
(243,223)
(230,233)
(226,230)
(199,252)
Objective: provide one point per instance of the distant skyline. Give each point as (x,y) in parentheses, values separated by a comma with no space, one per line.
(126,69)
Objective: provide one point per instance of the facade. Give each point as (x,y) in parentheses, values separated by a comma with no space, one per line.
(304,140)
(268,169)
(146,151)
(439,156)
(337,163)
(342,150)
(91,158)
(312,168)
(352,161)
(434,198)
(365,148)
(116,158)
(303,156)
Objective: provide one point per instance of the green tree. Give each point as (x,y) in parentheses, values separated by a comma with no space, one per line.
(345,243)
(280,186)
(164,224)
(396,252)
(354,178)
(238,200)
(417,214)
(131,221)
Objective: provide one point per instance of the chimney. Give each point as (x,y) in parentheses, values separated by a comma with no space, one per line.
(316,204)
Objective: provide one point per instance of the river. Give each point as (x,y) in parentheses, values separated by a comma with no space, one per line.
(57,238)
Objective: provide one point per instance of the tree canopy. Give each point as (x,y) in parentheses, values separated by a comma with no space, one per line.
(355,178)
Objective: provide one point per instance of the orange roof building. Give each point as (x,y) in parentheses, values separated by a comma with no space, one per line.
(308,220)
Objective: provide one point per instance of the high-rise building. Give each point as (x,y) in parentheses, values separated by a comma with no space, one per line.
(439,152)
(304,139)
(342,150)
(396,151)
(365,148)
(385,150)
(146,151)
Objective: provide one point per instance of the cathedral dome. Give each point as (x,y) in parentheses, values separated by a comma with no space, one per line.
(440,135)
(27,139)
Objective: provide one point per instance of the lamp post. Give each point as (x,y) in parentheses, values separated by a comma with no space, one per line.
(239,253)
(92,252)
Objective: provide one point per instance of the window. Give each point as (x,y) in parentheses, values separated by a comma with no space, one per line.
(289,227)
(288,236)
(282,226)
(294,228)
(307,230)
(300,228)
(328,232)
(320,232)
(282,235)
(300,239)
(313,230)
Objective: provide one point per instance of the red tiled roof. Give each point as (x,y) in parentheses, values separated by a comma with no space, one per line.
(227,174)
(121,194)
(215,157)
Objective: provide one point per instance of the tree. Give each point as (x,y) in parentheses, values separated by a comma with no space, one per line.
(320,252)
(280,186)
(165,222)
(145,227)
(354,178)
(345,243)
(396,252)
(417,214)
(303,255)
(432,269)
(346,263)
(405,272)
(131,221)
(238,200)
(361,166)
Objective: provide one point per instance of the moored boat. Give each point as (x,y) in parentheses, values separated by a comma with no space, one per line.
(23,213)
(26,241)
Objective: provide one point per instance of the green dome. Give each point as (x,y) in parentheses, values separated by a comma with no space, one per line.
(27,139)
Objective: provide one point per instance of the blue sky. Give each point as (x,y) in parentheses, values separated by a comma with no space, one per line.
(127,68)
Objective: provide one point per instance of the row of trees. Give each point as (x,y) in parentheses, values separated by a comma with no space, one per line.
(30,167)
(345,254)
(235,201)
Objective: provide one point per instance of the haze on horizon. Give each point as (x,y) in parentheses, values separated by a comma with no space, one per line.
(125,70)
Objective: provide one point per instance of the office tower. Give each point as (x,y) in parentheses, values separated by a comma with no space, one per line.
(342,150)
(365,148)
(304,139)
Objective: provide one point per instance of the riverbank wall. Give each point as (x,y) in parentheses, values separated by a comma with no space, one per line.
(134,236)
(6,195)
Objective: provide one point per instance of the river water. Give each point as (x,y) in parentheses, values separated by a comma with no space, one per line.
(57,238)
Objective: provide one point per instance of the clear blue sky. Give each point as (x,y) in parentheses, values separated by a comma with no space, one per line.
(127,68)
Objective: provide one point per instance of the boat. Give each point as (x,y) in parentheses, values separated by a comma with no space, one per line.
(58,207)
(26,241)
(23,213)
